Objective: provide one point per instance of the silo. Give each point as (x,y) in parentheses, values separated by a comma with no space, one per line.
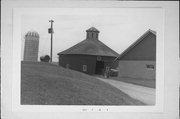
(31,46)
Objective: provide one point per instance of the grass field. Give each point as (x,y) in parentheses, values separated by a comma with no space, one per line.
(46,84)
(151,83)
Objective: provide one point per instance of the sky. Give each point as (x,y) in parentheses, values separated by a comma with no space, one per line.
(118,28)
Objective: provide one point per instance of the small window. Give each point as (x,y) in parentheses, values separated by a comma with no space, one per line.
(67,66)
(150,67)
(84,68)
(99,58)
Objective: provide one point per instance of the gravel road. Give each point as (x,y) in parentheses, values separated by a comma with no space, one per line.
(141,93)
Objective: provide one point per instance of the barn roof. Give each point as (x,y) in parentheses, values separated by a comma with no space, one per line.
(136,43)
(90,47)
(93,29)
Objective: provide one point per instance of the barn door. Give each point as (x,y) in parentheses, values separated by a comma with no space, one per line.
(99,67)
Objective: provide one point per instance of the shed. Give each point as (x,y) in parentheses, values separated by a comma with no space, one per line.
(90,56)
(139,59)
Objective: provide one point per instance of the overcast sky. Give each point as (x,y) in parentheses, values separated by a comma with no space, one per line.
(117,30)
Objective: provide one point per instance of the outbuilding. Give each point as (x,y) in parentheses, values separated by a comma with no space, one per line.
(139,59)
(90,56)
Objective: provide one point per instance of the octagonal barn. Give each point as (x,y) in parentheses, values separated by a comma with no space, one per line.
(90,56)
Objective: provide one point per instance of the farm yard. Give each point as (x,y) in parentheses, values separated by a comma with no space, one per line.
(74,81)
(47,84)
(142,93)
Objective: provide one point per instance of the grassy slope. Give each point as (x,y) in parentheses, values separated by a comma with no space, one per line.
(43,83)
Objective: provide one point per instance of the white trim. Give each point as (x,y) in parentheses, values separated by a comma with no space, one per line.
(84,68)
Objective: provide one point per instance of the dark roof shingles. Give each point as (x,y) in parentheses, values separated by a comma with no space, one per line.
(90,47)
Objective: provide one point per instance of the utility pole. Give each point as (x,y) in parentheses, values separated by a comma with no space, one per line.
(51,31)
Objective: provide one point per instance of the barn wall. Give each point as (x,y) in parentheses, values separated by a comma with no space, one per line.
(109,61)
(136,69)
(76,62)
(144,50)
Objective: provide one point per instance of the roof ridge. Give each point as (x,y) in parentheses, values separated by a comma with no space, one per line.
(136,42)
(152,31)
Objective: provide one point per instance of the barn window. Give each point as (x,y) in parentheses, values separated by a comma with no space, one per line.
(99,58)
(67,66)
(84,68)
(150,66)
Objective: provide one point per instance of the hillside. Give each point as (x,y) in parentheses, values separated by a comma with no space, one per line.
(43,83)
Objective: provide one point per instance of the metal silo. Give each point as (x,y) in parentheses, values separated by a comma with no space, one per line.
(31,46)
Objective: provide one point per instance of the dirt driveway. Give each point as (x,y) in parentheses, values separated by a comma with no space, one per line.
(144,94)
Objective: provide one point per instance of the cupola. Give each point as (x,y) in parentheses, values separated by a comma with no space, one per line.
(92,33)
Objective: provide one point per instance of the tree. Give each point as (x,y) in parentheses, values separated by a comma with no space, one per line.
(45,58)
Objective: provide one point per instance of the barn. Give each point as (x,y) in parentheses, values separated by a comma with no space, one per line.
(139,59)
(90,56)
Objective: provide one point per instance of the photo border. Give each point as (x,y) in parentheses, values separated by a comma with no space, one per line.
(18,12)
(171,60)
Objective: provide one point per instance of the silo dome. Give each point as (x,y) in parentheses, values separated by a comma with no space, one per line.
(32,34)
